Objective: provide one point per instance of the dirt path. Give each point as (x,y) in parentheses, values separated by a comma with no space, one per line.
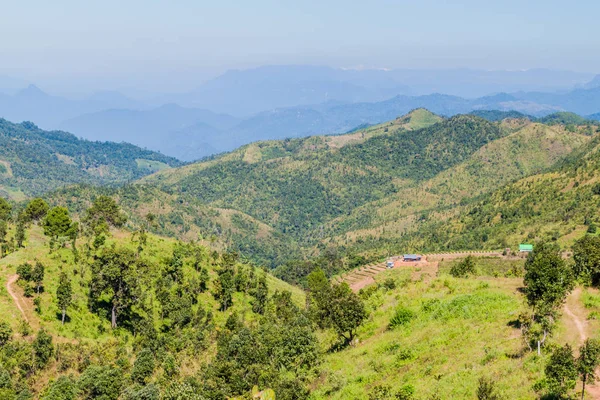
(577,320)
(576,315)
(9,287)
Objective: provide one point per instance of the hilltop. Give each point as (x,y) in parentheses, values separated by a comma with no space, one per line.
(34,161)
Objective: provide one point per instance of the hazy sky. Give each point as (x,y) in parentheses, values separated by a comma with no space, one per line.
(171,45)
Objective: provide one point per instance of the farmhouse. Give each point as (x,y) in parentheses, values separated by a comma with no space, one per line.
(411,257)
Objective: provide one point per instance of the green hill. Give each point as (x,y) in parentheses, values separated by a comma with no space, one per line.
(193,316)
(297,185)
(352,191)
(33,161)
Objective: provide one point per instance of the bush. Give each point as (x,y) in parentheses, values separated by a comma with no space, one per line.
(63,388)
(402,316)
(143,367)
(406,392)
(6,333)
(43,348)
(389,284)
(148,392)
(25,272)
(28,291)
(463,268)
(101,382)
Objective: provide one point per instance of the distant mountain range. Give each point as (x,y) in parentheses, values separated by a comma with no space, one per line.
(47,111)
(251,91)
(294,101)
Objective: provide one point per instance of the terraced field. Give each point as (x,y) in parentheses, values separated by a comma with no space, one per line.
(425,269)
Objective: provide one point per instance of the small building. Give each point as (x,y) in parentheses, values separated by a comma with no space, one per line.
(411,257)
(525,248)
(389,264)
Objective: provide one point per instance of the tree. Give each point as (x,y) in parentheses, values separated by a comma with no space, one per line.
(547,281)
(115,274)
(3,231)
(42,348)
(20,233)
(101,382)
(561,372)
(203,280)
(319,294)
(346,311)
(225,284)
(587,362)
(5,209)
(58,223)
(37,275)
(586,254)
(104,212)
(64,388)
(25,272)
(261,295)
(64,294)
(36,209)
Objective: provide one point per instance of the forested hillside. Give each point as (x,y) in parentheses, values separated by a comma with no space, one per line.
(359,193)
(559,205)
(33,161)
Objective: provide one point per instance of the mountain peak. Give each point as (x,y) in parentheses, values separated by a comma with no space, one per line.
(30,91)
(594,83)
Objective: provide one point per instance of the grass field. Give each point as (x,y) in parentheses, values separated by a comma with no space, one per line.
(461,330)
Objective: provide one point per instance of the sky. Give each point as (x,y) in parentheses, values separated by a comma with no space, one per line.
(152,45)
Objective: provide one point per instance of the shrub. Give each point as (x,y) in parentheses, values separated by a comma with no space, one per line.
(43,348)
(5,333)
(63,388)
(101,382)
(148,392)
(28,291)
(25,272)
(143,367)
(406,392)
(402,316)
(380,392)
(463,268)
(389,284)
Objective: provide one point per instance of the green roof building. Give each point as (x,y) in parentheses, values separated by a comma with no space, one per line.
(528,248)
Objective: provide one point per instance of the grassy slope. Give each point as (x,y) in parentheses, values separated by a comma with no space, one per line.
(463,335)
(84,324)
